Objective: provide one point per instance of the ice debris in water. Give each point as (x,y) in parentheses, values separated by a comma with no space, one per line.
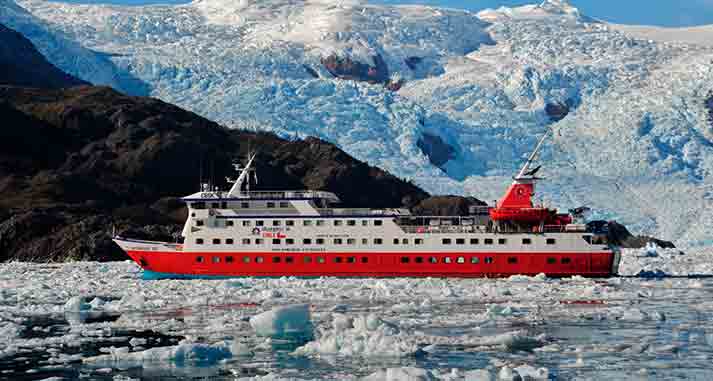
(181,353)
(401,374)
(284,321)
(364,335)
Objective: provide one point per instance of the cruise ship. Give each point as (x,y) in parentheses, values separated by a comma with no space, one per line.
(240,232)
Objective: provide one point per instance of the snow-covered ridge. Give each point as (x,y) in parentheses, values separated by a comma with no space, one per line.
(632,135)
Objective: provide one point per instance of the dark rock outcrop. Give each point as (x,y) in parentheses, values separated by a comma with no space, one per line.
(22,65)
(619,235)
(346,68)
(446,206)
(557,111)
(412,62)
(438,151)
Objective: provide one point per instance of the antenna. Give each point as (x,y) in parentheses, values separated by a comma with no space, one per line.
(534,154)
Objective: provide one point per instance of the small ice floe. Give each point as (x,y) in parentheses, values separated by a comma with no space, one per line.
(182,353)
(401,374)
(513,341)
(637,315)
(284,322)
(364,335)
(478,375)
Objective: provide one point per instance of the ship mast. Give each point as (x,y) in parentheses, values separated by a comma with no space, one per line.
(531,159)
(236,189)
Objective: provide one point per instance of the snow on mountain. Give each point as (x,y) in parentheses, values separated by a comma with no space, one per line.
(422,88)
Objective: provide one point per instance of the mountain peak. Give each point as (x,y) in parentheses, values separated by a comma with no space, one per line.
(546,9)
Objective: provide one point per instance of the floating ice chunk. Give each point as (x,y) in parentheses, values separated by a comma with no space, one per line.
(185,352)
(508,374)
(401,374)
(514,341)
(283,321)
(361,336)
(478,375)
(528,372)
(77,304)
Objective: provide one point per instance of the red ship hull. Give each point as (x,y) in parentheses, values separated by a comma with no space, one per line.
(371,264)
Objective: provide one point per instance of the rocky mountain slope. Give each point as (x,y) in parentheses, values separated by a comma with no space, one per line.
(450,99)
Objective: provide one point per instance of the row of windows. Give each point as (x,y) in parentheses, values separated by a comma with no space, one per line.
(404,260)
(243,205)
(304,223)
(364,241)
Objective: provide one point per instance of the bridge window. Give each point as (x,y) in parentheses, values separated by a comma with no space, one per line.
(319,241)
(275,241)
(246,241)
(214,205)
(404,259)
(229,223)
(566,261)
(551,241)
(351,223)
(502,241)
(320,222)
(276,223)
(337,241)
(224,205)
(199,241)
(551,261)
(474,260)
(404,241)
(488,241)
(474,241)
(364,241)
(526,241)
(245,205)
(461,260)
(289,241)
(259,241)
(587,239)
(284,204)
(216,241)
(460,241)
(198,205)
(446,241)
(307,241)
(396,241)
(270,204)
(512,260)
(228,259)
(378,222)
(364,222)
(306,223)
(489,260)
(229,241)
(259,223)
(199,259)
(378,241)
(418,241)
(246,223)
(216,259)
(199,222)
(290,223)
(351,241)
(337,222)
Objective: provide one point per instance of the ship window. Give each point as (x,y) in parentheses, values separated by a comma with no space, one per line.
(404,241)
(276,223)
(460,241)
(418,241)
(489,260)
(199,241)
(307,259)
(289,259)
(228,259)
(290,223)
(198,205)
(474,260)
(446,241)
(461,260)
(246,223)
(551,241)
(270,204)
(320,241)
(289,241)
(364,259)
(307,223)
(224,205)
(337,222)
(447,260)
(502,241)
(364,241)
(351,259)
(199,259)
(258,260)
(364,222)
(396,241)
(526,241)
(433,259)
(418,259)
(216,259)
(229,241)
(259,241)
(474,241)
(378,222)
(246,241)
(320,222)
(246,259)
(284,204)
(275,259)
(551,261)
(214,205)
(566,261)
(512,260)
(307,241)
(587,239)
(245,205)
(488,241)
(320,259)
(216,241)
(259,223)
(337,241)
(351,223)
(351,241)
(378,241)
(275,241)
(337,259)
(199,222)
(229,223)
(404,259)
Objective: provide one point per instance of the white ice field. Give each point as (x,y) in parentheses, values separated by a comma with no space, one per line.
(102,321)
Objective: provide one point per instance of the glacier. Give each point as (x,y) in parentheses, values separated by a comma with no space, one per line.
(633,138)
